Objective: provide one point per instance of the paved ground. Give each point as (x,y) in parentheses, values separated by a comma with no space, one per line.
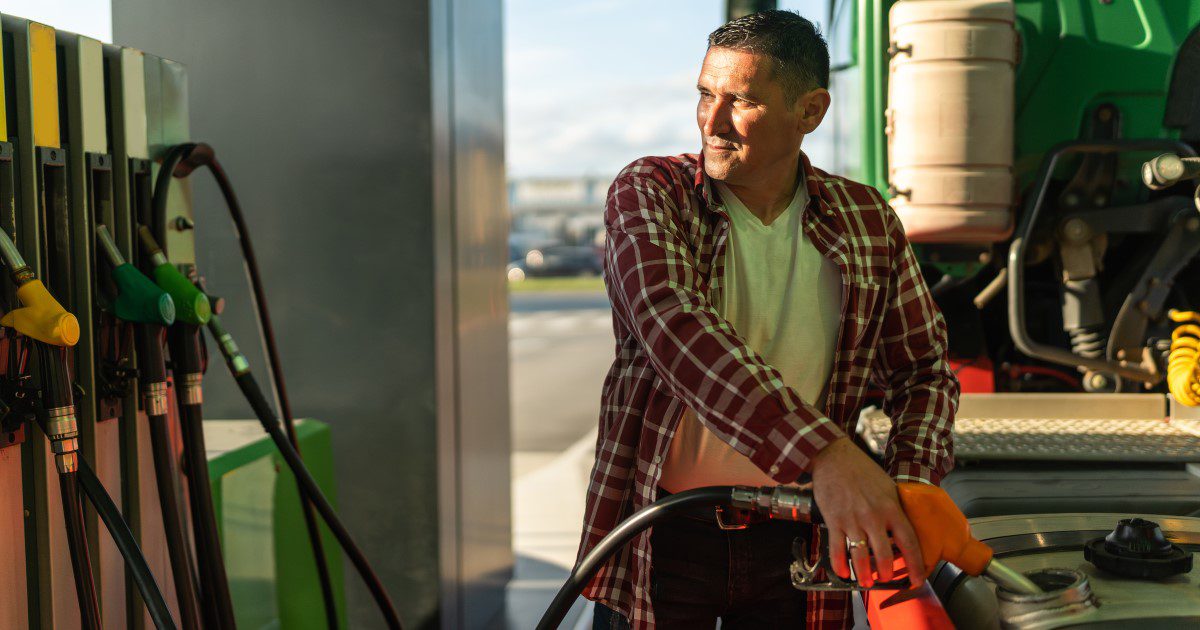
(561,346)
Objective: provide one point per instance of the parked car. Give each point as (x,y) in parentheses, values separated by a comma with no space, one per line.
(559,260)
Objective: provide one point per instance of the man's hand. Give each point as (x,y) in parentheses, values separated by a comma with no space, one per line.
(859,502)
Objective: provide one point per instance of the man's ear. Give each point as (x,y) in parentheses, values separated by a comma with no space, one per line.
(812,106)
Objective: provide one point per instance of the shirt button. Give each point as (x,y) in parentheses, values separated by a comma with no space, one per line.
(829,212)
(657,459)
(774,470)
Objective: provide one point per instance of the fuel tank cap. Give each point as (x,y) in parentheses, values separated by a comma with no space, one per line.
(1137,549)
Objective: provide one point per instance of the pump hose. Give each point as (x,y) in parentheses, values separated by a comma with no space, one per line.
(127,545)
(1183,362)
(184,340)
(152,371)
(81,564)
(623,533)
(270,423)
(180,162)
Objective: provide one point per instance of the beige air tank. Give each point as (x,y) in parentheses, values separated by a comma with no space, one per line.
(950,119)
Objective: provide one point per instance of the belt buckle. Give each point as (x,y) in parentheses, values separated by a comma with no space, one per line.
(720,513)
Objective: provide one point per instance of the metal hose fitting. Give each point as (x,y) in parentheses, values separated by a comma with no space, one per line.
(156,398)
(193,394)
(63,432)
(791,503)
(238,364)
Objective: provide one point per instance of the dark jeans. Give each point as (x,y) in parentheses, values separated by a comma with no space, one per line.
(700,573)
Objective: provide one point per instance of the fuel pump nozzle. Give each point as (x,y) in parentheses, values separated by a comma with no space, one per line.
(42,317)
(138,299)
(942,531)
(945,534)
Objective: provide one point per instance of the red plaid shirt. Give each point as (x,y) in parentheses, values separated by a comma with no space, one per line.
(666,238)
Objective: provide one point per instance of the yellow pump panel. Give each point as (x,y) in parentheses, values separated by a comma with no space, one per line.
(43,62)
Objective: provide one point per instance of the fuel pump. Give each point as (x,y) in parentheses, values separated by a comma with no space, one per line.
(53,330)
(46,321)
(185,345)
(180,161)
(142,303)
(941,528)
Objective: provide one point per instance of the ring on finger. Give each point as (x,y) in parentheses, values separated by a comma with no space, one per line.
(855,544)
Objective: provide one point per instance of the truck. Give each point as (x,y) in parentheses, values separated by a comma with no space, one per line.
(1039,154)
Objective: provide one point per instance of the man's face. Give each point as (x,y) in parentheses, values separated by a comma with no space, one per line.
(749,127)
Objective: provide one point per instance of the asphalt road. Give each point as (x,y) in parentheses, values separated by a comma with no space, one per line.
(561,346)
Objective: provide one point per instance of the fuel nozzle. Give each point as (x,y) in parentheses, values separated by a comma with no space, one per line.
(42,317)
(138,298)
(191,305)
(945,534)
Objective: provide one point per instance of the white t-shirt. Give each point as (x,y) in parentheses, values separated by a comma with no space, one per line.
(784,298)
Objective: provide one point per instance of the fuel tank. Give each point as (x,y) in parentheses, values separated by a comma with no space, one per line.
(950,119)
(1050,548)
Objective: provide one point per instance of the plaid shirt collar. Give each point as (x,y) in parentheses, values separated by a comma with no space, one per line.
(817,192)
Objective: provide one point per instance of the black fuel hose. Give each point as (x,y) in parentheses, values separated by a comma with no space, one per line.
(270,423)
(184,341)
(618,537)
(153,374)
(127,545)
(57,400)
(181,161)
(81,565)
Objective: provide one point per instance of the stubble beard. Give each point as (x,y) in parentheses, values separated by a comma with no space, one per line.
(719,167)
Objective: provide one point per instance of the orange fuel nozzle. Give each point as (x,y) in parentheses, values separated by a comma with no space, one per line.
(942,529)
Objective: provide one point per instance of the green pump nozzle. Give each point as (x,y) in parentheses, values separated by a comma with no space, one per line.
(138,298)
(191,305)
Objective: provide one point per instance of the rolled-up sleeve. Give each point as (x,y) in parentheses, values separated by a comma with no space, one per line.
(912,365)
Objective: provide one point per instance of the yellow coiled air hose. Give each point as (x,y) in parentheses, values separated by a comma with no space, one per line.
(1183,363)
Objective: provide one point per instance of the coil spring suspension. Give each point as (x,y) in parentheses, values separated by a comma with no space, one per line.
(1183,363)
(1088,341)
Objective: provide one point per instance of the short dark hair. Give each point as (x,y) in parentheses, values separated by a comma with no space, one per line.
(795,44)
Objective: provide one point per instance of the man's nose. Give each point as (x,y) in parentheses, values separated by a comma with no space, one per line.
(716,118)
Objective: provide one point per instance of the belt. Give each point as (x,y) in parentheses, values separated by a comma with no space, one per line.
(724,517)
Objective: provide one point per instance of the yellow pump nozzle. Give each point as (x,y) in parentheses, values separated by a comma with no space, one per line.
(42,317)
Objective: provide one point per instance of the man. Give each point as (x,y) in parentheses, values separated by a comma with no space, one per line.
(753,297)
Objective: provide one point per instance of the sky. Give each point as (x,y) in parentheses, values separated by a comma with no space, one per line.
(86,17)
(591,85)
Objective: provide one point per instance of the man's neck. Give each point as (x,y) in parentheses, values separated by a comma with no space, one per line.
(768,197)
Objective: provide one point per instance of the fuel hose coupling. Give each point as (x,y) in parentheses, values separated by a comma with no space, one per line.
(63,433)
(791,503)
(193,394)
(156,398)
(229,348)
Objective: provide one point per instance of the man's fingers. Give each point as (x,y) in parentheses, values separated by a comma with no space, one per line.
(861,557)
(837,552)
(881,547)
(910,548)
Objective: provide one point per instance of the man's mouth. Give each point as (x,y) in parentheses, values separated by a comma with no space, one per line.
(721,147)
